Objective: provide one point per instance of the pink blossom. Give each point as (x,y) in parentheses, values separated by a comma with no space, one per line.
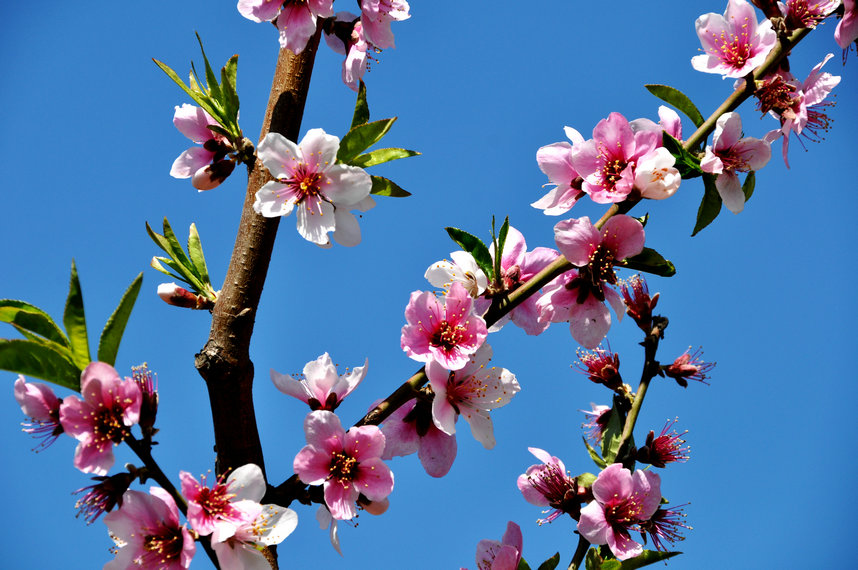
(296,19)
(668,122)
(376,17)
(800,107)
(501,555)
(411,428)
(607,162)
(622,502)
(346,463)
(320,387)
(664,526)
(463,269)
(40,404)
(354,48)
(241,547)
(307,177)
(205,165)
(555,160)
(260,10)
(227,502)
(101,497)
(667,447)
(729,154)
(579,296)
(448,333)
(147,381)
(601,366)
(325,520)
(597,421)
(103,418)
(147,533)
(689,366)
(639,304)
(549,484)
(472,391)
(733,44)
(178,296)
(807,13)
(846,32)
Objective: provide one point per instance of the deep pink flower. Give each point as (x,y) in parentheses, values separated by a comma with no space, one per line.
(607,162)
(103,418)
(410,428)
(347,464)
(622,502)
(103,496)
(555,160)
(147,382)
(206,165)
(601,366)
(847,28)
(472,391)
(597,421)
(449,333)
(376,17)
(729,154)
(354,48)
(663,526)
(639,304)
(147,533)
(667,447)
(307,177)
(227,502)
(807,13)
(320,387)
(579,296)
(40,404)
(733,43)
(689,366)
(800,107)
(549,484)
(501,555)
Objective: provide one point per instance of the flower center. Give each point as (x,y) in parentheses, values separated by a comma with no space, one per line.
(777,95)
(162,548)
(304,182)
(447,336)
(108,425)
(624,513)
(734,48)
(613,165)
(344,468)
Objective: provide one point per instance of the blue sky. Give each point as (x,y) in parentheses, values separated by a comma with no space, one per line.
(767,293)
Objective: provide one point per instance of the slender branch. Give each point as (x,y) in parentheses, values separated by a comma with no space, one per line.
(224,362)
(580,552)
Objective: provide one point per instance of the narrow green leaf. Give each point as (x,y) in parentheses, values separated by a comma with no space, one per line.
(710,206)
(551,563)
(475,246)
(748,185)
(195,251)
(75,322)
(55,346)
(156,264)
(220,130)
(361,115)
(646,558)
(211,79)
(228,86)
(187,275)
(678,99)
(380,156)
(611,436)
(504,231)
(108,344)
(382,186)
(593,561)
(195,93)
(31,318)
(594,455)
(361,138)
(651,261)
(175,251)
(522,564)
(687,164)
(36,360)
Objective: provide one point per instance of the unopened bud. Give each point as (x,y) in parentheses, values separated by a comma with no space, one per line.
(212,175)
(172,294)
(377,507)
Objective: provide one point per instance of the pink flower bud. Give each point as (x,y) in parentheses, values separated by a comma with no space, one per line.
(172,294)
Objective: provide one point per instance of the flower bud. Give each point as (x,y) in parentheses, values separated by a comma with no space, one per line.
(172,294)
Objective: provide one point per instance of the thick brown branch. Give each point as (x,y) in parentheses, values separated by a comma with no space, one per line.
(224,362)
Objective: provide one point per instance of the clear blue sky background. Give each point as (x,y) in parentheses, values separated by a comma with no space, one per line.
(88,143)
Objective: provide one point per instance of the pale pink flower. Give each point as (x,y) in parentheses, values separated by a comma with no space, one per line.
(240,547)
(40,404)
(103,418)
(597,421)
(411,428)
(733,44)
(296,19)
(206,165)
(463,269)
(555,160)
(226,502)
(147,533)
(807,13)
(731,153)
(448,332)
(346,463)
(472,391)
(376,17)
(846,32)
(355,50)
(800,107)
(655,175)
(549,484)
(320,386)
(579,296)
(326,521)
(308,178)
(607,162)
(668,122)
(501,555)
(622,502)
(260,10)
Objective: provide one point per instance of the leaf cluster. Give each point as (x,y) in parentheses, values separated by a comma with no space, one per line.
(188,268)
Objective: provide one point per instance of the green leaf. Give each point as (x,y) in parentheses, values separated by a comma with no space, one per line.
(593,561)
(361,138)
(361,115)
(522,564)
(195,251)
(585,479)
(710,206)
(108,344)
(687,163)
(678,99)
(650,261)
(211,79)
(38,361)
(551,563)
(75,322)
(196,94)
(611,565)
(382,186)
(646,558)
(31,318)
(504,231)
(55,346)
(380,156)
(748,186)
(611,436)
(594,455)
(228,86)
(475,246)
(156,264)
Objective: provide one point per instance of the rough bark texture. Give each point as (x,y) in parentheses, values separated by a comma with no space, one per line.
(224,362)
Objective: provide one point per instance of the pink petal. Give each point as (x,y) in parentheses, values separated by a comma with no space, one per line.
(375,479)
(341,500)
(437,451)
(624,235)
(613,483)
(730,190)
(577,239)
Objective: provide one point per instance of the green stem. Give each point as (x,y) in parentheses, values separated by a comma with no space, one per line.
(580,553)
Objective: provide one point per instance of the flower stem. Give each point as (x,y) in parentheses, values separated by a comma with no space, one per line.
(580,552)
